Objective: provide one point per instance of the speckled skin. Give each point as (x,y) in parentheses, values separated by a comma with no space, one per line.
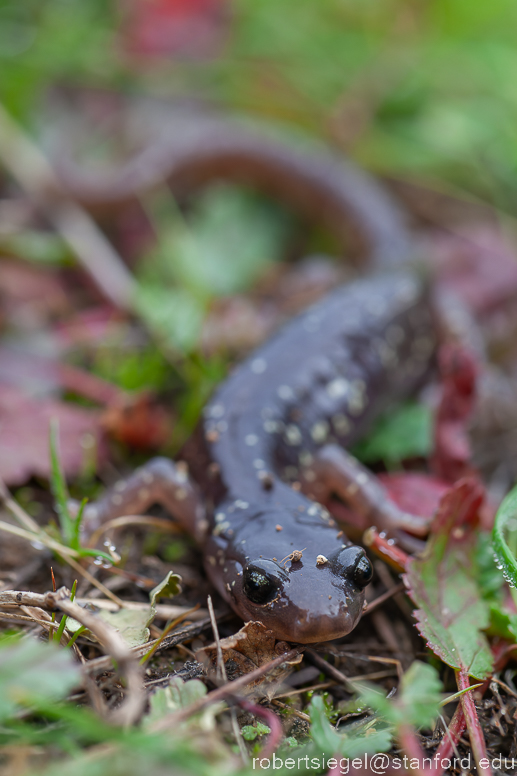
(318,382)
(321,380)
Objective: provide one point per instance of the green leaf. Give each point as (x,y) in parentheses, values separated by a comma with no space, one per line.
(249,732)
(364,737)
(418,702)
(177,695)
(504,538)
(132,624)
(228,240)
(167,588)
(443,583)
(405,432)
(33,673)
(59,489)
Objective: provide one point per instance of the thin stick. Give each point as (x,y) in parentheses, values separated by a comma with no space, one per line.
(222,676)
(32,171)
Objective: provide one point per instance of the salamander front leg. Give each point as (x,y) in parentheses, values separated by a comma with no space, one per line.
(160,481)
(333,470)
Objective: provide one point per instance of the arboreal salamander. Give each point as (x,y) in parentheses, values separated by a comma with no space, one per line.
(271,444)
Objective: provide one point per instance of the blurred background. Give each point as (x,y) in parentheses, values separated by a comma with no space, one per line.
(422,94)
(414,89)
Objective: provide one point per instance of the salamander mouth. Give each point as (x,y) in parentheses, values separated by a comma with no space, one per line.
(305,625)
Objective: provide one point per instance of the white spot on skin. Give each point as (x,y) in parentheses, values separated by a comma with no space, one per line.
(221,528)
(220,517)
(357,401)
(338,388)
(341,423)
(258,366)
(319,431)
(116,499)
(147,477)
(258,463)
(181,474)
(305,458)
(285,392)
(309,475)
(362,478)
(216,411)
(386,353)
(241,504)
(222,426)
(293,435)
(271,426)
(251,440)
(211,560)
(144,494)
(120,486)
(180,494)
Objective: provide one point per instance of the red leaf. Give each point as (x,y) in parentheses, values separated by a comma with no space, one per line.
(24,436)
(452,454)
(165,28)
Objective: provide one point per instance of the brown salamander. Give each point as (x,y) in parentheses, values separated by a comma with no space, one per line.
(271,444)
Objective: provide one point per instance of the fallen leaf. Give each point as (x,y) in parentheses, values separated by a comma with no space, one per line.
(251,647)
(24,436)
(452,453)
(444,584)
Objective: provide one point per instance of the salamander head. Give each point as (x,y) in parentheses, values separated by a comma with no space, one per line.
(301,581)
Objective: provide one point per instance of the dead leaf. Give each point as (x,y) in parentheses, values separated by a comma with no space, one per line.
(250,648)
(24,436)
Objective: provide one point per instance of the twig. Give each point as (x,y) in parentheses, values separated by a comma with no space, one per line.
(222,676)
(95,582)
(111,640)
(174,639)
(395,590)
(163,611)
(329,670)
(32,171)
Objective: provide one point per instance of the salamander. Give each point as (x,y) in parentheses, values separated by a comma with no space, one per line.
(271,444)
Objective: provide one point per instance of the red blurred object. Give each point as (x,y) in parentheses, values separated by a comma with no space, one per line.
(418,494)
(452,454)
(25,424)
(187,29)
(138,421)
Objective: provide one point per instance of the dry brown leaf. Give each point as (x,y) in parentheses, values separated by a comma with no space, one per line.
(250,648)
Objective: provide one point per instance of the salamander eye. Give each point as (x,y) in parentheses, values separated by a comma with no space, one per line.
(352,564)
(363,572)
(262,580)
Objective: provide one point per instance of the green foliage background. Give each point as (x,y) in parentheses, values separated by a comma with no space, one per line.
(415,88)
